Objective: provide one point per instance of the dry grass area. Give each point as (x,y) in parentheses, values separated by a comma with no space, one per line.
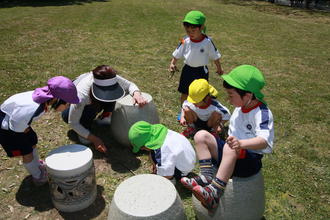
(41,39)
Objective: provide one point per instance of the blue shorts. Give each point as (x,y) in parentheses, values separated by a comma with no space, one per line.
(189,74)
(247,165)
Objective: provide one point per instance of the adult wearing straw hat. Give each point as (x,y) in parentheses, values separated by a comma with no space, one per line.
(98,91)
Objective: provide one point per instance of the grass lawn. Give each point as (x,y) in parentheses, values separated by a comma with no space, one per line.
(41,39)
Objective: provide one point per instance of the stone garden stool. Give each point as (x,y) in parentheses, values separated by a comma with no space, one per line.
(71,175)
(244,199)
(126,114)
(146,196)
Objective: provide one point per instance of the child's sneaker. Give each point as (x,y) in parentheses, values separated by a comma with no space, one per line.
(178,117)
(43,178)
(189,132)
(207,196)
(190,183)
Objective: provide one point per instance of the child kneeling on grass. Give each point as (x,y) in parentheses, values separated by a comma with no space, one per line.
(20,110)
(171,153)
(251,134)
(201,110)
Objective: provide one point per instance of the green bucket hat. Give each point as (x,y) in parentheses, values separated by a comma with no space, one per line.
(145,134)
(247,78)
(195,17)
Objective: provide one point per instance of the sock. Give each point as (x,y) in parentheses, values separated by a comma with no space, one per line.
(33,168)
(206,168)
(219,186)
(35,154)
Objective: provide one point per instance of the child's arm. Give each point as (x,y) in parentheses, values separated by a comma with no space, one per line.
(256,143)
(219,68)
(173,67)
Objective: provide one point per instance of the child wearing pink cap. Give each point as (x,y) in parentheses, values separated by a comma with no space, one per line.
(19,111)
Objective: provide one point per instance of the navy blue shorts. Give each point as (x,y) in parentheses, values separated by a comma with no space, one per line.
(248,164)
(202,125)
(18,144)
(189,74)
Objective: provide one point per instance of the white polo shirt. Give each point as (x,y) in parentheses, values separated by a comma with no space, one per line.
(205,113)
(196,54)
(176,152)
(19,110)
(256,123)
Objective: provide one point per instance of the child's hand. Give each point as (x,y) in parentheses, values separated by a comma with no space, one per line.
(233,143)
(173,68)
(183,121)
(220,71)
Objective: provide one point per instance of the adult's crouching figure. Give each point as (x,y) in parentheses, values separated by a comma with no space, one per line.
(98,91)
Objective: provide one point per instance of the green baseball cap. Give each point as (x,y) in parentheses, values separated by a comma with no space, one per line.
(145,134)
(247,78)
(195,17)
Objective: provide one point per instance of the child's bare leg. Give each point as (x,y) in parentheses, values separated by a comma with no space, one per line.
(227,165)
(210,194)
(206,149)
(189,115)
(214,121)
(205,145)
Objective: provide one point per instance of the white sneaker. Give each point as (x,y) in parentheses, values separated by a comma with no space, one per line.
(43,178)
(83,140)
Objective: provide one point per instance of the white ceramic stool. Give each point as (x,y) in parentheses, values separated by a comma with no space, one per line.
(146,196)
(126,114)
(71,176)
(244,199)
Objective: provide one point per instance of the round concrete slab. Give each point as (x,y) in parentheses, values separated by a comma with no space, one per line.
(126,113)
(146,196)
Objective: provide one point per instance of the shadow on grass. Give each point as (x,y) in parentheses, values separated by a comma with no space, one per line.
(30,195)
(121,158)
(40,198)
(42,3)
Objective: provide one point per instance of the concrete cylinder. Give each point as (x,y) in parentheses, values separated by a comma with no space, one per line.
(146,196)
(244,199)
(126,114)
(71,176)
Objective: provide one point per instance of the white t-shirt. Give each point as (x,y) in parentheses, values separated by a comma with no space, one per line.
(205,113)
(84,83)
(19,110)
(176,152)
(256,123)
(196,54)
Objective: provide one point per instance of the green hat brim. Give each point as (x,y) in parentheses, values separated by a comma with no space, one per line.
(233,83)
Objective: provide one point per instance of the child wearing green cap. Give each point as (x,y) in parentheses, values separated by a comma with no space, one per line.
(171,153)
(251,134)
(197,49)
(202,110)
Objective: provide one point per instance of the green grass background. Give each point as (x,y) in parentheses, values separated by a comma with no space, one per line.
(40,39)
